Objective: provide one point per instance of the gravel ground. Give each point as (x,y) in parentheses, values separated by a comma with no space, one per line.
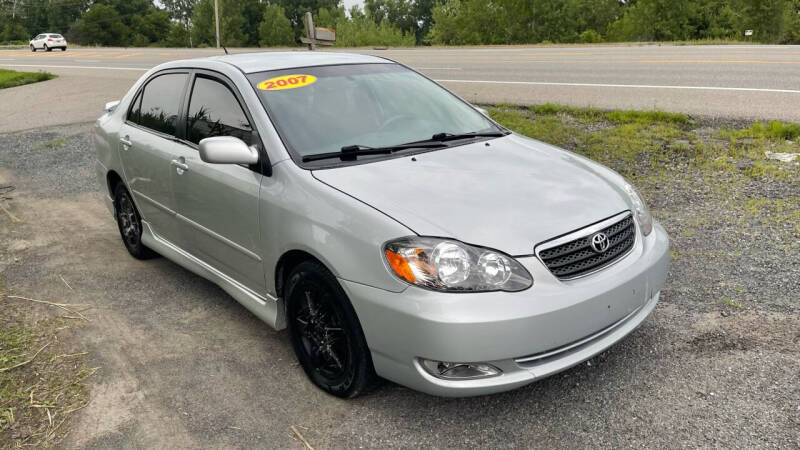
(183,365)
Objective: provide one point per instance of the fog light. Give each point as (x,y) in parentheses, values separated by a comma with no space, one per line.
(459,371)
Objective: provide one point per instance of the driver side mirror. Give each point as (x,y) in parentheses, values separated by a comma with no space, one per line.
(227,150)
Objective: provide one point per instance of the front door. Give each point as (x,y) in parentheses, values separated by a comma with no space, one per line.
(147,146)
(217,204)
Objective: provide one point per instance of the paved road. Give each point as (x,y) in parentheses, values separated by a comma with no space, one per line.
(754,82)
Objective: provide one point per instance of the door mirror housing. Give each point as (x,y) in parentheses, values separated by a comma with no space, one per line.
(227,150)
(111,106)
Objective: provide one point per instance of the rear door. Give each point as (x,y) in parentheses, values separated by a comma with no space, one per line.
(217,204)
(148,149)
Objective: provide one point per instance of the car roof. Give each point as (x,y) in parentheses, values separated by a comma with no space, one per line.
(264,61)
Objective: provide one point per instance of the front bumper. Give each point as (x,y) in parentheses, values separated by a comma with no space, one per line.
(529,335)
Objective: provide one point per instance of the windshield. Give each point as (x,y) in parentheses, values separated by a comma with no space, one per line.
(322,109)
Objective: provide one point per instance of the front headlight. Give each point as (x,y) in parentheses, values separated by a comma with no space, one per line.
(450,265)
(640,210)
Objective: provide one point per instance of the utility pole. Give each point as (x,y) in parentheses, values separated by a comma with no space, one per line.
(216,19)
(14,10)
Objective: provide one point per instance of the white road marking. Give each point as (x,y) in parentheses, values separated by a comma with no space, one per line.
(524,83)
(77,67)
(633,86)
(7,59)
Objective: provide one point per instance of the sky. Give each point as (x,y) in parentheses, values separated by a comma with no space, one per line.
(348,3)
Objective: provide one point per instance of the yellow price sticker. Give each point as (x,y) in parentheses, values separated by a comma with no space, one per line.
(287,82)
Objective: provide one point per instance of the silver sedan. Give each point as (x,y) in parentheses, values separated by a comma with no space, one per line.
(393,229)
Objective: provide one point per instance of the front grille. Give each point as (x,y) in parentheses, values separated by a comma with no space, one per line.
(577,257)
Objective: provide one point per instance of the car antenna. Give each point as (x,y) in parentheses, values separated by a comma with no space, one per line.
(226,50)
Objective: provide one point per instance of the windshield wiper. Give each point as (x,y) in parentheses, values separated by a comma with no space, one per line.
(352,152)
(444,137)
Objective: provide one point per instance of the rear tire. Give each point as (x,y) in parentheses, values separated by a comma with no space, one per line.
(130,224)
(325,332)
(63,49)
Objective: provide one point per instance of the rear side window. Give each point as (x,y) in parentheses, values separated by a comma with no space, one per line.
(158,104)
(214,111)
(57,36)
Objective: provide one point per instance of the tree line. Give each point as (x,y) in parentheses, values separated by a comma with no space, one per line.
(251,23)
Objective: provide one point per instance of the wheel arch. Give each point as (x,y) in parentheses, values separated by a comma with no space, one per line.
(287,262)
(112,180)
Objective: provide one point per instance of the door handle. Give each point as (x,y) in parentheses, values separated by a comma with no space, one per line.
(126,143)
(179,165)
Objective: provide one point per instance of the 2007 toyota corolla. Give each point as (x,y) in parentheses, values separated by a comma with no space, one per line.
(393,229)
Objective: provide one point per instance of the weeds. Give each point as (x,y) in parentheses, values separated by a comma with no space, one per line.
(41,383)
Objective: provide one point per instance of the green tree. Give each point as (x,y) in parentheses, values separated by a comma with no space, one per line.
(180,10)
(14,31)
(63,13)
(231,23)
(127,9)
(275,29)
(178,36)
(767,19)
(101,25)
(150,27)
(655,20)
(296,9)
(329,18)
(362,31)
(792,33)
(470,22)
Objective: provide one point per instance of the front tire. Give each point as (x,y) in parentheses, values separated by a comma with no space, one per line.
(325,332)
(33,49)
(46,48)
(130,224)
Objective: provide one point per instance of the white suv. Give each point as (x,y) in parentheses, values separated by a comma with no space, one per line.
(48,41)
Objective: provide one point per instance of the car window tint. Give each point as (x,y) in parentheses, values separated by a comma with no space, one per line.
(57,36)
(214,111)
(160,102)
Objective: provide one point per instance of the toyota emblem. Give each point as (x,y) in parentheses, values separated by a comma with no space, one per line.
(600,242)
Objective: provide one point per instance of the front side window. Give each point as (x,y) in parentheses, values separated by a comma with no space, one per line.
(159,103)
(214,111)
(323,109)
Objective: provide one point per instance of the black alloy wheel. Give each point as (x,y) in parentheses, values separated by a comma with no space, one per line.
(325,332)
(130,224)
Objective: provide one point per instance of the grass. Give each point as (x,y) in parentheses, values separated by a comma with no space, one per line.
(630,140)
(42,383)
(11,78)
(732,303)
(51,145)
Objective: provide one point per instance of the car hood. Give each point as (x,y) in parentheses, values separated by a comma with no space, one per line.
(508,193)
